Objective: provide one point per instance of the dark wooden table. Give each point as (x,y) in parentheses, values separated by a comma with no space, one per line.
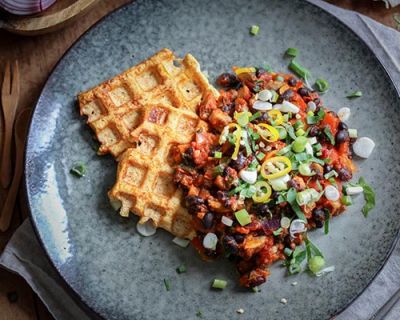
(37,56)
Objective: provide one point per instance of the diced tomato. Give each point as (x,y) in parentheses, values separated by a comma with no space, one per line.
(331,121)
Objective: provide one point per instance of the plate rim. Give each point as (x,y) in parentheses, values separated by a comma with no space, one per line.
(70,290)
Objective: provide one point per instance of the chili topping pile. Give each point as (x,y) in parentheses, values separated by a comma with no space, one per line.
(272,164)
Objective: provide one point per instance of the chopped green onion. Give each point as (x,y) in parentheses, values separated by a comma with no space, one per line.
(275,96)
(346,200)
(355,94)
(277,232)
(260,156)
(330,174)
(299,144)
(322,85)
(291,198)
(181,269)
(284,150)
(307,196)
(282,132)
(279,78)
(292,52)
(326,224)
(288,252)
(255,289)
(217,154)
(353,133)
(243,217)
(369,197)
(298,69)
(167,284)
(317,147)
(290,130)
(319,185)
(267,67)
(242,118)
(255,116)
(298,124)
(316,263)
(78,170)
(300,132)
(219,284)
(254,30)
(199,314)
(329,135)
(305,170)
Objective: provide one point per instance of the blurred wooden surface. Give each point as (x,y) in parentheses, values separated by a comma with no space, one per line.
(37,56)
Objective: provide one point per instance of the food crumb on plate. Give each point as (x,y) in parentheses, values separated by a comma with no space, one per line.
(240,311)
(294,283)
(283,301)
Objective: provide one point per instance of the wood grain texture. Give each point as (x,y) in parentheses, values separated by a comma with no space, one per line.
(37,56)
(50,22)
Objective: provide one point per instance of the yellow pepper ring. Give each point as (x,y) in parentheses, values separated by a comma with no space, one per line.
(273,133)
(281,172)
(276,116)
(237,134)
(244,70)
(262,196)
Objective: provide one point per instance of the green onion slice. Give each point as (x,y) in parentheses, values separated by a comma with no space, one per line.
(243,217)
(78,170)
(219,284)
(254,30)
(355,94)
(322,85)
(292,52)
(298,69)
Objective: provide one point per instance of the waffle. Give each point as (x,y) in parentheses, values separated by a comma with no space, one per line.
(145,183)
(115,108)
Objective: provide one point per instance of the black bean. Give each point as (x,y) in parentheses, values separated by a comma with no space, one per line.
(228,80)
(262,210)
(327,168)
(208,220)
(341,136)
(239,163)
(292,82)
(230,244)
(314,131)
(194,204)
(342,126)
(187,157)
(287,94)
(260,71)
(257,281)
(303,92)
(239,238)
(319,217)
(344,174)
(229,108)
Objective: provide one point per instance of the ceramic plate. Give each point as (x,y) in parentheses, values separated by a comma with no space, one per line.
(118,273)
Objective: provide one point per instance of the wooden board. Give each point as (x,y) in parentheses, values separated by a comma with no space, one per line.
(37,56)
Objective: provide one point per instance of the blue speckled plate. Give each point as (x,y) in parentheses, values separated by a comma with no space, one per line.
(119,274)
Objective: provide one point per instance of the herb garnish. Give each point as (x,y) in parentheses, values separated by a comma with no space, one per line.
(329,135)
(78,170)
(369,196)
(355,94)
(167,284)
(291,198)
(326,224)
(292,52)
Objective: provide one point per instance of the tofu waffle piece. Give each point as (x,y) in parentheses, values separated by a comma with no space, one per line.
(145,183)
(115,108)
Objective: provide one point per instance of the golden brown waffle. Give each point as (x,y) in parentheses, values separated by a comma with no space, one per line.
(145,183)
(115,108)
